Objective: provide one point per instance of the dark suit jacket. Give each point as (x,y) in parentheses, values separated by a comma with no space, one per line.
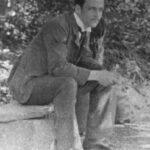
(55,51)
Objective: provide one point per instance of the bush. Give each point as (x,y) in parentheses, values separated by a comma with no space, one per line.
(127,35)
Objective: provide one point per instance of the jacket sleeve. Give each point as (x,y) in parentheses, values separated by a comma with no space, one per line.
(55,39)
(87,61)
(92,58)
(100,54)
(89,58)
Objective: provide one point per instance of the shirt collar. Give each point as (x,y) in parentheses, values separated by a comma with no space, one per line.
(80,23)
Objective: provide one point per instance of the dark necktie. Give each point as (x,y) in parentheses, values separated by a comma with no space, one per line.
(83,38)
(84,42)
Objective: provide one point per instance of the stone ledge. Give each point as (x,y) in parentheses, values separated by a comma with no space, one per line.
(26,127)
(27,135)
(14,112)
(29,128)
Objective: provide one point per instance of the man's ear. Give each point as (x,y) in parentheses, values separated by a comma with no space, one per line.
(78,9)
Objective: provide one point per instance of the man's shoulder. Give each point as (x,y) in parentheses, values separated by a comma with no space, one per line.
(61,20)
(61,24)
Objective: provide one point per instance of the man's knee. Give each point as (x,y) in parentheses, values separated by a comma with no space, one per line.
(70,84)
(65,104)
(68,90)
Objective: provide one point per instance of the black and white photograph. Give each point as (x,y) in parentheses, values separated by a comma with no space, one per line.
(74,74)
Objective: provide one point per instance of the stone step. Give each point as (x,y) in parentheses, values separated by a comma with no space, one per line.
(29,128)
(14,112)
(26,127)
(27,135)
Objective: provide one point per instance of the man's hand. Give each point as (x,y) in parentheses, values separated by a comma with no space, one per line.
(104,77)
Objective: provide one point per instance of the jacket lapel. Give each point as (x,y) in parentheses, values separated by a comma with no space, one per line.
(77,39)
(75,30)
(74,40)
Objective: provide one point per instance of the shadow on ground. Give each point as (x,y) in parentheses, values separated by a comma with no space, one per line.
(129,136)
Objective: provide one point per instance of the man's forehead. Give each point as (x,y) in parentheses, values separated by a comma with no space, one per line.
(98,3)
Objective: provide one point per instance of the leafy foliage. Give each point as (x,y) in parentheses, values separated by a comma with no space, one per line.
(25,19)
(128,33)
(127,38)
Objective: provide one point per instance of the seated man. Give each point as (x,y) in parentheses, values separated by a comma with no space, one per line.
(54,69)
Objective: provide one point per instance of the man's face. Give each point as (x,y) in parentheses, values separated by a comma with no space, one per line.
(91,12)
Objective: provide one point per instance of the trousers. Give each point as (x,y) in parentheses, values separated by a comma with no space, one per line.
(71,100)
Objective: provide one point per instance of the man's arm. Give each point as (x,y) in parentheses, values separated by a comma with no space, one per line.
(100,54)
(96,44)
(87,59)
(54,38)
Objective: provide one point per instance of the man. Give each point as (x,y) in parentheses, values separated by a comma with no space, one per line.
(54,68)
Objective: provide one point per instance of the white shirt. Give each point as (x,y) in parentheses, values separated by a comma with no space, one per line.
(81,24)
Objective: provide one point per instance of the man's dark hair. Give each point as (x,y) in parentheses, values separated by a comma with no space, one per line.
(79,2)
